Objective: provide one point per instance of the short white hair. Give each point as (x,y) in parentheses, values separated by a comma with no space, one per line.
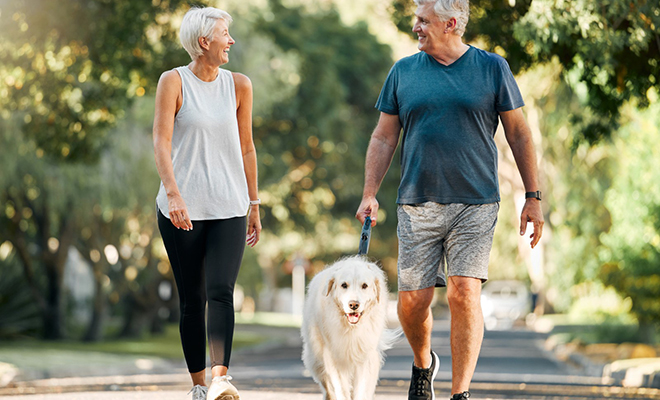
(199,22)
(448,9)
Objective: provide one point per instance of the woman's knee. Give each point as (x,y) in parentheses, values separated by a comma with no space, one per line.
(192,306)
(223,294)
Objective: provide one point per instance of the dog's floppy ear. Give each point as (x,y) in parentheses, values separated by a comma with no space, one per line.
(330,285)
(379,282)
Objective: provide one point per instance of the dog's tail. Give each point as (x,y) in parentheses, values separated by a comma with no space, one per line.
(389,338)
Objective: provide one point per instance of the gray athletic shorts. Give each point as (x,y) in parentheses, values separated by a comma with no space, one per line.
(432,234)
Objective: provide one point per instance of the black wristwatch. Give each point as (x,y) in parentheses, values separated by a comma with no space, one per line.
(533,195)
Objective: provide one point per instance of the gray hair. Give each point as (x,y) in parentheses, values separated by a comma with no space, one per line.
(197,23)
(447,9)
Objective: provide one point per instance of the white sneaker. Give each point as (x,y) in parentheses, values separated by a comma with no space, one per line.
(221,389)
(198,392)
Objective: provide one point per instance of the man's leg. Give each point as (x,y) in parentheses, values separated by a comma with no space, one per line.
(414,311)
(467,329)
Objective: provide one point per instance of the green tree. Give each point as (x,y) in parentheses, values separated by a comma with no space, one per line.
(631,249)
(69,69)
(609,51)
(19,315)
(63,85)
(312,141)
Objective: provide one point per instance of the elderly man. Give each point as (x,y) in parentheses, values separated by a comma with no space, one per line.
(447,98)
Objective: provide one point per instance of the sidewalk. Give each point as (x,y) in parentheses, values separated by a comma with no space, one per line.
(179,395)
(272,370)
(32,364)
(625,364)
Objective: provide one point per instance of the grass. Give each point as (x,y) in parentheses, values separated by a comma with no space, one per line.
(167,345)
(565,329)
(270,319)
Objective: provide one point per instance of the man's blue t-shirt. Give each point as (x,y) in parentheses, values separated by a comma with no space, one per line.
(449,116)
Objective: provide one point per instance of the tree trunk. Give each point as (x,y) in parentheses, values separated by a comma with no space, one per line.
(134,320)
(157,323)
(95,328)
(269,275)
(52,317)
(54,264)
(143,311)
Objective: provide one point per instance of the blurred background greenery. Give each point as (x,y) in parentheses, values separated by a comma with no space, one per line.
(80,255)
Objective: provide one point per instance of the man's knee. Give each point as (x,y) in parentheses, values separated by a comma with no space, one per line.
(414,302)
(463,291)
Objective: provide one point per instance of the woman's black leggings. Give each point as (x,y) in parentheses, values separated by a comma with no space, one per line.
(205,262)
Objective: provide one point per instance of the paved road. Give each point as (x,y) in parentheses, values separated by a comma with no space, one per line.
(507,356)
(513,365)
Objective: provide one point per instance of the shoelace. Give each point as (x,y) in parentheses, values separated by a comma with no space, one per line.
(424,375)
(198,392)
(223,378)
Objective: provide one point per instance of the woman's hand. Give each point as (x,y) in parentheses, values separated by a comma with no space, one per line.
(178,212)
(254,226)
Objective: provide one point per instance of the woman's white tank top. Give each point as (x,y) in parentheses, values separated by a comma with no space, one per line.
(206,150)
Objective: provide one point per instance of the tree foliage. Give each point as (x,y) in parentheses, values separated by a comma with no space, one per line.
(609,50)
(69,69)
(68,72)
(312,142)
(631,249)
(77,159)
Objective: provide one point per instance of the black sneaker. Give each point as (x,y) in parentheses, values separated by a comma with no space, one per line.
(461,396)
(421,383)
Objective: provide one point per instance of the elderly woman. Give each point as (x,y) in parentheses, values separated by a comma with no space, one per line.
(206,160)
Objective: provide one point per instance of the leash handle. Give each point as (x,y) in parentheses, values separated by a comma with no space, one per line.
(365,236)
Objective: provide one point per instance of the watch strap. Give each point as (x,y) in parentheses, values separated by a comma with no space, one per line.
(533,195)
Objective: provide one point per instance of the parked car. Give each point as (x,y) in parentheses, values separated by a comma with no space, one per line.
(504,302)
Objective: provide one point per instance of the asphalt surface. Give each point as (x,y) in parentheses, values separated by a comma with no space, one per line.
(513,365)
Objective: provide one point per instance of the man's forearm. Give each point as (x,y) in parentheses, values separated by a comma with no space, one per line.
(378,161)
(525,156)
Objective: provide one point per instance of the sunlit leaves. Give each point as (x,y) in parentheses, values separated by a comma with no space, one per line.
(632,260)
(311,144)
(609,48)
(68,82)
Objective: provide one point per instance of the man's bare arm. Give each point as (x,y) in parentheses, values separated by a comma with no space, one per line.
(382,146)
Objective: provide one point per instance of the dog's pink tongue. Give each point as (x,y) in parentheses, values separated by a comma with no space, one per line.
(353,318)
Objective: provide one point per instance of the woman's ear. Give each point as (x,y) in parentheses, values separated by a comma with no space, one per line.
(203,42)
(331,283)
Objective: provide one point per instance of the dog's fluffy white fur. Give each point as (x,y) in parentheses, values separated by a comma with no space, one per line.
(343,330)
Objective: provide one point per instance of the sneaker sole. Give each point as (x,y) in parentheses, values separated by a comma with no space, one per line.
(435,372)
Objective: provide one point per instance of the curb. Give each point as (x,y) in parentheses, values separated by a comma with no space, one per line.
(635,372)
(632,372)
(7,374)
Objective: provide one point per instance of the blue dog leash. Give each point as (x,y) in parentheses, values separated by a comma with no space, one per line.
(365,236)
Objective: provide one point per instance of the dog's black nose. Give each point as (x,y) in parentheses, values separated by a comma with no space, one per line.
(353,305)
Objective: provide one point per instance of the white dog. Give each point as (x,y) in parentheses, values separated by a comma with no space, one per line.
(343,330)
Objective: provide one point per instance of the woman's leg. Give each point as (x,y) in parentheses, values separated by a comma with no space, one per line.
(185,250)
(225,243)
